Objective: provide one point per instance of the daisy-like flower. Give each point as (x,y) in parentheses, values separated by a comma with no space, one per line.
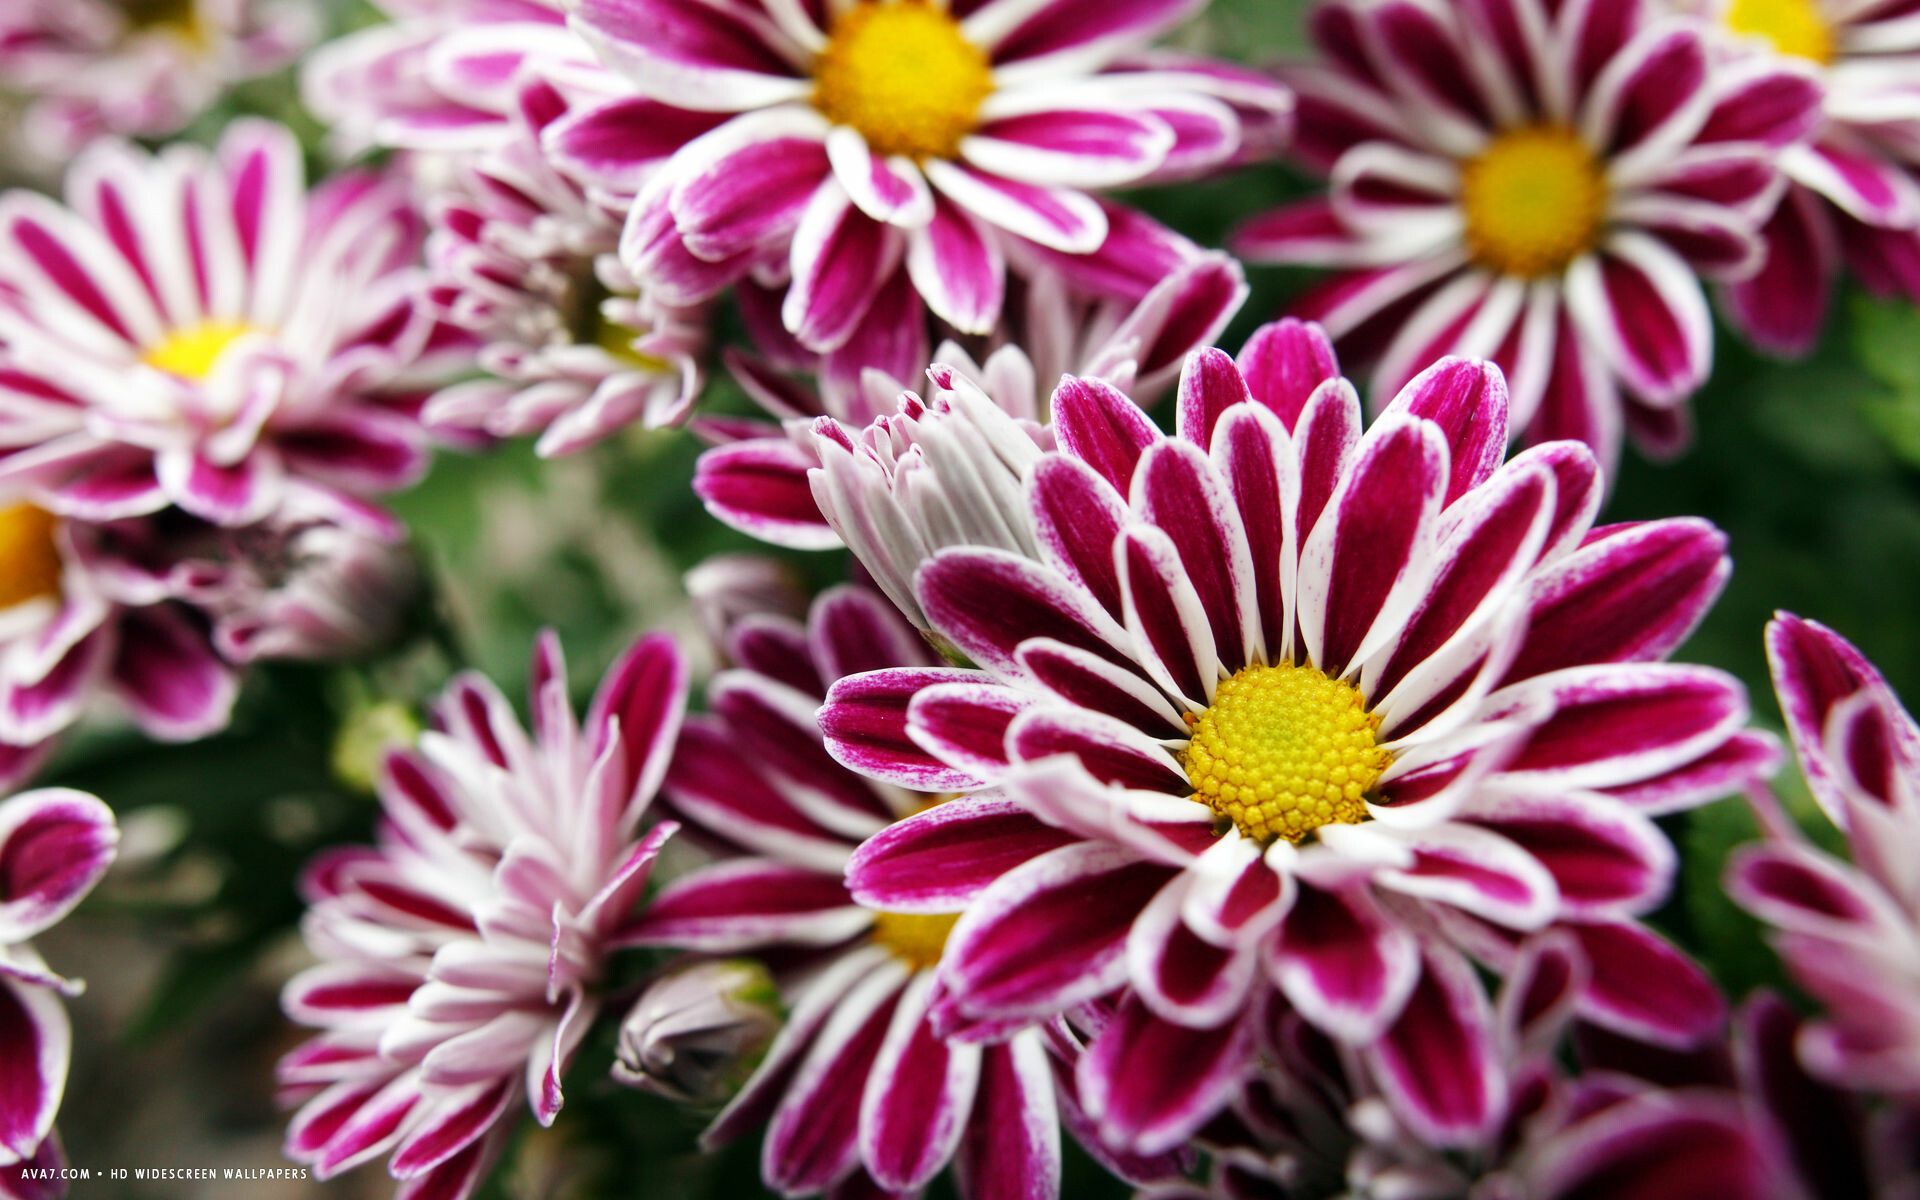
(524,258)
(1855,195)
(1848,932)
(91,611)
(202,332)
(95,68)
(1540,184)
(55,844)
(860,136)
(757,478)
(460,955)
(1310,705)
(858,1086)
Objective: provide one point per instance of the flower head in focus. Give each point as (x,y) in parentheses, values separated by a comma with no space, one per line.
(1312,705)
(55,844)
(853,139)
(1849,932)
(1854,197)
(97,68)
(1540,184)
(203,332)
(461,954)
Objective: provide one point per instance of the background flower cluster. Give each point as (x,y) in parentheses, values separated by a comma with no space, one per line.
(1005,598)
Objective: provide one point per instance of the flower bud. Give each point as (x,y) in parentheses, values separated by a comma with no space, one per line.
(698,1033)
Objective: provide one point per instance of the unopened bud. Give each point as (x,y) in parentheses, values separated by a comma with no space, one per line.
(697,1034)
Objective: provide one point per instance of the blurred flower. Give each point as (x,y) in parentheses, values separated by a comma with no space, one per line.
(55,844)
(696,1035)
(857,1084)
(300,585)
(202,331)
(1540,184)
(523,258)
(89,610)
(1312,1125)
(460,955)
(765,480)
(96,68)
(1855,194)
(1306,702)
(950,139)
(1849,932)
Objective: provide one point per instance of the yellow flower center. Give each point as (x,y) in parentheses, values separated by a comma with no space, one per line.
(1284,750)
(917,939)
(191,353)
(902,73)
(178,17)
(29,556)
(1533,200)
(1795,27)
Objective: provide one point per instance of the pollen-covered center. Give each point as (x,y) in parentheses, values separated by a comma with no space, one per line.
(29,555)
(191,353)
(918,939)
(1795,27)
(1284,750)
(1533,200)
(904,76)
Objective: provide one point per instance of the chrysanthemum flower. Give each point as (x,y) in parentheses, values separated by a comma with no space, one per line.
(94,68)
(461,953)
(1311,1125)
(1849,932)
(1540,184)
(202,332)
(524,258)
(1306,701)
(857,1086)
(54,846)
(1856,185)
(757,478)
(948,137)
(91,611)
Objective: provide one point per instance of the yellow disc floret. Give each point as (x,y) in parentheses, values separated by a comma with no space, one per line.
(29,556)
(903,74)
(1795,27)
(1533,200)
(191,353)
(917,939)
(1284,750)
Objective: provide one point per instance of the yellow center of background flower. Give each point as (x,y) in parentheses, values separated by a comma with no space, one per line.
(918,939)
(191,353)
(1533,200)
(1795,27)
(904,75)
(1284,750)
(29,556)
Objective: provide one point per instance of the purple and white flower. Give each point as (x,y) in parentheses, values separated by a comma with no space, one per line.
(858,1089)
(202,332)
(461,954)
(523,257)
(1849,932)
(1541,184)
(759,478)
(55,844)
(1310,705)
(1855,194)
(855,140)
(95,68)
